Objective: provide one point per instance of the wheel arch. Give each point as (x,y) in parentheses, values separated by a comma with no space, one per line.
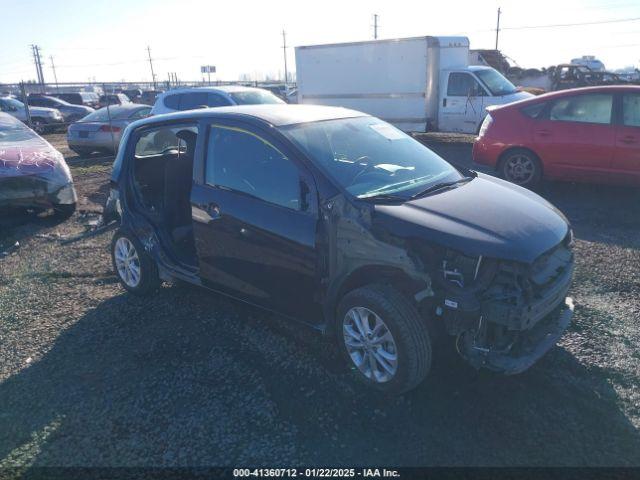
(369,275)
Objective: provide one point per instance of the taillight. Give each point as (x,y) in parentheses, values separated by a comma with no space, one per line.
(107,128)
(488,120)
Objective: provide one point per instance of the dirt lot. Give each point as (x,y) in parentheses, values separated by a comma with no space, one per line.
(90,375)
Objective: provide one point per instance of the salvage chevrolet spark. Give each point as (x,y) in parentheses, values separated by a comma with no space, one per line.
(338,219)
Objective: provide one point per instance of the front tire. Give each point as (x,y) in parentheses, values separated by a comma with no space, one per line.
(384,339)
(521,167)
(136,270)
(63,211)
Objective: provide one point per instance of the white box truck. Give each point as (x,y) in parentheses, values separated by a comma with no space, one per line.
(418,84)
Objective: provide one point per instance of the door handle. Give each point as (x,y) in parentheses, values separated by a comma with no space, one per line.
(628,139)
(444,102)
(544,133)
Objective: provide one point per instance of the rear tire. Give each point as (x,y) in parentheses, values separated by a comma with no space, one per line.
(136,270)
(406,352)
(522,167)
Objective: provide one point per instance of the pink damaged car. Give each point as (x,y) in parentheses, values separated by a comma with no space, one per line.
(33,174)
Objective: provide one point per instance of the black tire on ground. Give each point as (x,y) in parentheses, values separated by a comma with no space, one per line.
(522,167)
(63,211)
(38,126)
(149,278)
(82,152)
(405,324)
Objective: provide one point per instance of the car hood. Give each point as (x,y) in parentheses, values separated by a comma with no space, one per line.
(486,216)
(32,157)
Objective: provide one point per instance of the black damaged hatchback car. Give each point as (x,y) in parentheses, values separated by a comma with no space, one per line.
(340,220)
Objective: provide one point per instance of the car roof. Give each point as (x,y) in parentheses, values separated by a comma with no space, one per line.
(217,89)
(563,93)
(275,114)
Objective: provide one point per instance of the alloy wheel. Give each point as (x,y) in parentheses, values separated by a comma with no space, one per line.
(519,169)
(370,344)
(127,262)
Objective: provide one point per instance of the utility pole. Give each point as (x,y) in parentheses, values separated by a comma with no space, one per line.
(55,77)
(38,62)
(498,27)
(153,75)
(284,49)
(375,26)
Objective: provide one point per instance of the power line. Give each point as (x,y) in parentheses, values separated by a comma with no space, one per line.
(598,22)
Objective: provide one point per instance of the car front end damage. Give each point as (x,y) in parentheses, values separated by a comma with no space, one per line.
(505,315)
(34,176)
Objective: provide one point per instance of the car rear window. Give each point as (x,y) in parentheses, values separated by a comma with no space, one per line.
(103,115)
(254,97)
(533,111)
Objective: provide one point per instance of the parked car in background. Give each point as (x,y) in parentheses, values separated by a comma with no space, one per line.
(133,94)
(88,99)
(113,99)
(148,97)
(586,134)
(387,246)
(43,119)
(70,112)
(101,130)
(33,174)
(199,97)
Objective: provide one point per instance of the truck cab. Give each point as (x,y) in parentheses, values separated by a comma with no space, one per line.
(466,92)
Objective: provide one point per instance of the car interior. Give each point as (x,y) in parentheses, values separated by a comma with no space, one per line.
(163,173)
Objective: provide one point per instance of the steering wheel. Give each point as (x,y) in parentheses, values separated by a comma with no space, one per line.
(368,166)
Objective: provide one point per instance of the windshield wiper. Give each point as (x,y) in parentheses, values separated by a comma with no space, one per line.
(439,186)
(384,197)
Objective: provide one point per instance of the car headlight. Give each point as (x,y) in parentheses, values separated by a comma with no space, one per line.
(55,114)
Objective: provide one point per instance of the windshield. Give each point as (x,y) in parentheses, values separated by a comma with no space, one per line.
(254,97)
(369,157)
(14,131)
(495,82)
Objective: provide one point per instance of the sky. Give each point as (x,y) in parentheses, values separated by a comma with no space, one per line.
(107,40)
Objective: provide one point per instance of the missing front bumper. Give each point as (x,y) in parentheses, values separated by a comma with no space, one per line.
(531,345)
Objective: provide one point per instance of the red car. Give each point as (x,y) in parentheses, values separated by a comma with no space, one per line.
(585,134)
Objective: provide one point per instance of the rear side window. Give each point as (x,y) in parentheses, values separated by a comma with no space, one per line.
(172,101)
(216,100)
(463,85)
(588,108)
(192,100)
(631,109)
(244,162)
(533,111)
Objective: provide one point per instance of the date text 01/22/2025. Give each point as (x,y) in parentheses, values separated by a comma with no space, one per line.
(315,472)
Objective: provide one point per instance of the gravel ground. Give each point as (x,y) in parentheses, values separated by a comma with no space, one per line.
(92,376)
